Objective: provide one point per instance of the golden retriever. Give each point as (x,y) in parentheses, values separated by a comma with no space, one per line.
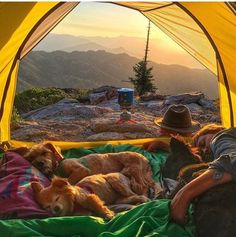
(48,159)
(90,196)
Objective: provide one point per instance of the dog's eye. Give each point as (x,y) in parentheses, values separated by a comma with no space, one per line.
(47,153)
(40,164)
(47,207)
(57,198)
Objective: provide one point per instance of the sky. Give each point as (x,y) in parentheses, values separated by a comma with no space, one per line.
(102,19)
(109,20)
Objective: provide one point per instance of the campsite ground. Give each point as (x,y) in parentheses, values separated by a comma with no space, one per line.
(71,120)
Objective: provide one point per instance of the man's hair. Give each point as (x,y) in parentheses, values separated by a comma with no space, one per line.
(207,129)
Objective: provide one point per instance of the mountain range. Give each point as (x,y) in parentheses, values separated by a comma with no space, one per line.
(159,50)
(93,69)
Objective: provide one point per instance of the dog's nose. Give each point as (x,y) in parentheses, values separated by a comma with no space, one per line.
(57,210)
(40,164)
(49,174)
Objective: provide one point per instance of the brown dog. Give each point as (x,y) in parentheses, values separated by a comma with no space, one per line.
(92,193)
(43,156)
(49,161)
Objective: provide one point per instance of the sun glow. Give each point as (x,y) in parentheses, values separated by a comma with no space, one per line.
(127,29)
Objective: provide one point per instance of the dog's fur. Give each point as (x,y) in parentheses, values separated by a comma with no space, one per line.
(181,155)
(133,165)
(93,193)
(214,210)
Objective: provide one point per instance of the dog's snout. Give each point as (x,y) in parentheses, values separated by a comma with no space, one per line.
(57,210)
(40,164)
(50,174)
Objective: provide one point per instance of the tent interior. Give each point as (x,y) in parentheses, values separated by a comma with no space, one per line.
(206,30)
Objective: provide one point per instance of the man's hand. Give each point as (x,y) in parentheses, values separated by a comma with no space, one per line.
(178,207)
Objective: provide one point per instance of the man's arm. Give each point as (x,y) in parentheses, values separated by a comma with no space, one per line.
(202,183)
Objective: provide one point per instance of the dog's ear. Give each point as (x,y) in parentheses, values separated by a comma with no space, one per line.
(179,145)
(59,182)
(55,150)
(36,186)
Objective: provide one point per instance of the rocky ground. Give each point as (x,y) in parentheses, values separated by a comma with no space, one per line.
(95,118)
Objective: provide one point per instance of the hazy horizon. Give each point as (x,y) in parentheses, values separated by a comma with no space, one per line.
(93,20)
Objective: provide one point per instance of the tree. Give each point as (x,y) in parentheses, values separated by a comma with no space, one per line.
(142,80)
(143,76)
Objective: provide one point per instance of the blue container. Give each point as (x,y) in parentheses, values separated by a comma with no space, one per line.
(125,97)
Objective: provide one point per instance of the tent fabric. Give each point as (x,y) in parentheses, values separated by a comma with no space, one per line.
(147,220)
(27,23)
(207,30)
(46,25)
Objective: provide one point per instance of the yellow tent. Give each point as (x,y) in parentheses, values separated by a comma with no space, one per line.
(207,30)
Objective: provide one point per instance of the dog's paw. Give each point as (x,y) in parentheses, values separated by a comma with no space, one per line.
(109,215)
(141,199)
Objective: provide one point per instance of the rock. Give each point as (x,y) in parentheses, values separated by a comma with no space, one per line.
(109,136)
(70,120)
(102,94)
(195,108)
(113,104)
(215,119)
(67,109)
(110,91)
(96,98)
(155,105)
(207,104)
(51,130)
(185,98)
(121,128)
(152,96)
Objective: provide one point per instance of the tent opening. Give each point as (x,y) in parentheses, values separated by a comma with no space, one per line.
(67,85)
(188,24)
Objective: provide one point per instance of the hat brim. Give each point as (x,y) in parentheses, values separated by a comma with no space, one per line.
(195,126)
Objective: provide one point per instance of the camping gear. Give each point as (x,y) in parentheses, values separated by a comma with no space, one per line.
(178,118)
(125,98)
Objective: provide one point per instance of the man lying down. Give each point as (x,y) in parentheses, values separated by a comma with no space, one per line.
(216,144)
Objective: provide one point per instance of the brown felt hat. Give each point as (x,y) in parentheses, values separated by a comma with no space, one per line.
(178,118)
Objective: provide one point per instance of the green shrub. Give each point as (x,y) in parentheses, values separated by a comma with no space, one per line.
(36,98)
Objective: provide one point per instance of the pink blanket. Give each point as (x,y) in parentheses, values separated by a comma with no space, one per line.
(16,196)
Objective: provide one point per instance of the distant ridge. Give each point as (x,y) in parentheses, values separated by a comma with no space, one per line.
(93,69)
(160,51)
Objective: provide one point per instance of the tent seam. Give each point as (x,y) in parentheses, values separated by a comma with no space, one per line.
(231,8)
(156,8)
